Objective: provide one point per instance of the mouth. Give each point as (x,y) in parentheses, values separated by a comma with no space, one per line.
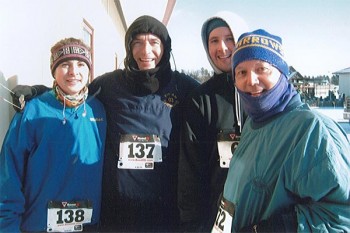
(147,59)
(73,81)
(225,56)
(256,93)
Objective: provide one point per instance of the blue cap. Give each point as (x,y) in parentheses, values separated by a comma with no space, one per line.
(260,45)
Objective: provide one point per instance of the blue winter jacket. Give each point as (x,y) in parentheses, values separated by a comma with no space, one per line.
(43,160)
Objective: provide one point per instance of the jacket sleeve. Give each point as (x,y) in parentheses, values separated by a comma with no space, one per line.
(103,82)
(14,152)
(318,176)
(192,174)
(323,180)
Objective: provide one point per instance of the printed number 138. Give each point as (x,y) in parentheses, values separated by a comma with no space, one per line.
(70,216)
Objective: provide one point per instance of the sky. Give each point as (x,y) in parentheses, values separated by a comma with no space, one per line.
(315,33)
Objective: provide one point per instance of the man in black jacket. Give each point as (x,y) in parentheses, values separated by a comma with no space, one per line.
(212,126)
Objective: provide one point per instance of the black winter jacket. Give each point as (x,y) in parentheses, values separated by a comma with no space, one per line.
(141,200)
(209,112)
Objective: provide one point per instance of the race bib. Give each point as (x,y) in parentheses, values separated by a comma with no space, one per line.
(139,151)
(227,144)
(63,216)
(223,221)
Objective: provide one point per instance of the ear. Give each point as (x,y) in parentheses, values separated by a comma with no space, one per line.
(54,74)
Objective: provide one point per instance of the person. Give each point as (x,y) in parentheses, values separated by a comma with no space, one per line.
(144,105)
(213,121)
(290,172)
(52,157)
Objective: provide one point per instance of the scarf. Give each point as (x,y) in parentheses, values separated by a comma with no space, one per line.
(70,100)
(270,103)
(144,82)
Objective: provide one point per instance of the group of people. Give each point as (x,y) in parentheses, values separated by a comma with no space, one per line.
(149,149)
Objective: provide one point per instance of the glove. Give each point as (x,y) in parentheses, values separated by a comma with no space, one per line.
(22,93)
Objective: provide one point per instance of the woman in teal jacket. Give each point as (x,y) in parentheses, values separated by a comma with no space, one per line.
(291,170)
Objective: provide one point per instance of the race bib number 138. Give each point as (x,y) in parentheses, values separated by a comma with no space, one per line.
(63,216)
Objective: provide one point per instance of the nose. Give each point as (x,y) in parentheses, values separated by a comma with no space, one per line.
(223,46)
(252,78)
(73,69)
(147,47)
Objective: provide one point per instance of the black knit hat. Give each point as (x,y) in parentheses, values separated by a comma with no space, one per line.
(146,24)
(215,23)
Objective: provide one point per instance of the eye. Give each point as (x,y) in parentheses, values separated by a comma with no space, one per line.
(135,43)
(81,64)
(240,74)
(262,70)
(213,41)
(229,39)
(155,43)
(64,65)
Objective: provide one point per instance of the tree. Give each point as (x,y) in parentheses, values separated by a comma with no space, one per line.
(201,75)
(335,79)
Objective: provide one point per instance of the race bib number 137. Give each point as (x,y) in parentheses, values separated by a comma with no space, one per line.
(139,151)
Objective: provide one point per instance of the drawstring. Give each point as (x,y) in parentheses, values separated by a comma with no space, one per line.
(64,110)
(84,112)
(238,110)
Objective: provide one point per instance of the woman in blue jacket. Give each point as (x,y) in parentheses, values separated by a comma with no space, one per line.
(52,156)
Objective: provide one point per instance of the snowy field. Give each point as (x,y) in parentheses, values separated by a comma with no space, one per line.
(337,115)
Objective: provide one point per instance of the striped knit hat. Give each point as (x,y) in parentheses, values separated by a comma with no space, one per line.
(68,52)
(260,45)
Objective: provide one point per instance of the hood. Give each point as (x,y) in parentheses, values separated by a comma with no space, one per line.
(146,24)
(237,26)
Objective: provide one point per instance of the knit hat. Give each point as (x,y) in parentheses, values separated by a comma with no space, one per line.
(68,52)
(234,22)
(260,45)
(215,23)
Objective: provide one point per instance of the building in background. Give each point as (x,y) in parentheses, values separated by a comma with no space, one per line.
(344,81)
(344,89)
(30,28)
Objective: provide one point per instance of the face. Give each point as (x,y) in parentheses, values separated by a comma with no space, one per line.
(255,77)
(221,45)
(72,76)
(147,50)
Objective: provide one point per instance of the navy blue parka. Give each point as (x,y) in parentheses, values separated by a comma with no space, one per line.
(144,103)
